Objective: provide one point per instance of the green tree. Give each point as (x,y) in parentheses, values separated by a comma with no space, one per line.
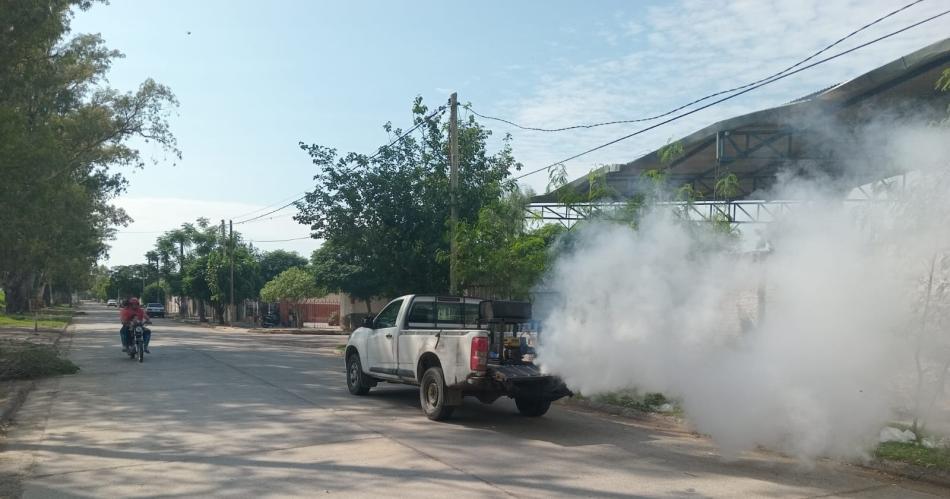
(293,285)
(498,256)
(177,251)
(336,268)
(272,263)
(383,217)
(63,134)
(218,277)
(157,292)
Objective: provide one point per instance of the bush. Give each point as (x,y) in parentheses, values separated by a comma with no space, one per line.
(334,319)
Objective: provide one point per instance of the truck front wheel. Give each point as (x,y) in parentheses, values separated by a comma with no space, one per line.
(432,394)
(356,381)
(532,407)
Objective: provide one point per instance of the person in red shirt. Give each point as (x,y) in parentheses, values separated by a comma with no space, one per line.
(133,311)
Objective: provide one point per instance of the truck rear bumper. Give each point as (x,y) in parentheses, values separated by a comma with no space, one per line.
(524,380)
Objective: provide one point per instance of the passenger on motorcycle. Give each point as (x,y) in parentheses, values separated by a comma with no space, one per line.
(133,311)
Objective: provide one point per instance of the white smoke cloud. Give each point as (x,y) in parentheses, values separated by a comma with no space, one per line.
(674,309)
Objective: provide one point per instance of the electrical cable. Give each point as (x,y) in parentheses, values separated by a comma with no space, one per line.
(701,99)
(762,84)
(439,110)
(281,240)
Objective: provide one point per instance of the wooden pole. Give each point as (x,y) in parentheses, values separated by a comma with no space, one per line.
(453,185)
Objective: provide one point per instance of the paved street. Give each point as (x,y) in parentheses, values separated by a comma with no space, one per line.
(223,413)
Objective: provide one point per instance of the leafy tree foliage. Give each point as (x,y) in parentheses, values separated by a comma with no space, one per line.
(498,256)
(62,134)
(272,263)
(383,218)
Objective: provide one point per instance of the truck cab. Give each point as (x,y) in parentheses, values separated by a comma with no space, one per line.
(451,347)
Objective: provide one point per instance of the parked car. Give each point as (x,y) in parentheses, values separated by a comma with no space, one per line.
(112,303)
(155,310)
(452,347)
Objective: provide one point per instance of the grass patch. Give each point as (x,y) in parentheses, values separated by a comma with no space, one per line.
(630,399)
(26,360)
(48,318)
(341,348)
(45,321)
(915,454)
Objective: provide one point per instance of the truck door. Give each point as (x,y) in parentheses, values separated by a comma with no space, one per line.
(382,341)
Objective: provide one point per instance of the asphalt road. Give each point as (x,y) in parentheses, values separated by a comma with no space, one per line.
(228,413)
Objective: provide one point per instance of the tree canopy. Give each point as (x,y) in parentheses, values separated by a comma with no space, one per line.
(384,217)
(64,138)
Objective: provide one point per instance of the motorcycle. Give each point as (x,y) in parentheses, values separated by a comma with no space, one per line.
(137,339)
(270,320)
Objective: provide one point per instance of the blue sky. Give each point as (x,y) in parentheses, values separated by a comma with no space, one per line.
(254,78)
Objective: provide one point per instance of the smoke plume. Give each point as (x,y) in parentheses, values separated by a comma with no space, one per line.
(806,347)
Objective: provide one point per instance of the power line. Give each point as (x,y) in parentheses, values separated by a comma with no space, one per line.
(379,151)
(282,240)
(264,208)
(271,218)
(701,99)
(762,84)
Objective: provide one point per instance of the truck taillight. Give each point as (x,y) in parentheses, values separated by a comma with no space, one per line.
(479,358)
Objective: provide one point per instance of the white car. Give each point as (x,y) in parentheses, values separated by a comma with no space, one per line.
(451,347)
(155,310)
(112,303)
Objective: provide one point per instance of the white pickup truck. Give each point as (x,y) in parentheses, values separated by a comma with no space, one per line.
(451,347)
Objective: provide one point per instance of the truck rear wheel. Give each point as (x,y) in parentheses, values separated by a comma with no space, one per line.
(532,407)
(432,395)
(356,381)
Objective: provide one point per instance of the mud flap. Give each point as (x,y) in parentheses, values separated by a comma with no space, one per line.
(453,397)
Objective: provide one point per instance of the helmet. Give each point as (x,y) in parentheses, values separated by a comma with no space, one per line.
(133,302)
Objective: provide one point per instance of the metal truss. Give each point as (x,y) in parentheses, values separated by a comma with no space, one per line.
(745,211)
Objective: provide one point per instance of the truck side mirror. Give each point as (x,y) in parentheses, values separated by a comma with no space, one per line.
(368,321)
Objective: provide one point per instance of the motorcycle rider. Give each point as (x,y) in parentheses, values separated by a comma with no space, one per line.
(133,310)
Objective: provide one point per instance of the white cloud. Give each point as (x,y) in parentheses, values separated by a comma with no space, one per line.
(692,49)
(154,215)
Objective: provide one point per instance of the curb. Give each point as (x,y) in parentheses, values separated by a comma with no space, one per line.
(894,468)
(315,332)
(20,391)
(264,330)
(617,410)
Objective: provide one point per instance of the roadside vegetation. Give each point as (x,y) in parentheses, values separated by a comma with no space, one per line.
(66,138)
(937,458)
(55,318)
(632,399)
(20,359)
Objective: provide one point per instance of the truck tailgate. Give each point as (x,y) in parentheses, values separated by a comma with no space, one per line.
(515,372)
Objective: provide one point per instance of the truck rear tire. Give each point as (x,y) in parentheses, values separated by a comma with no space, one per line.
(532,407)
(432,395)
(356,380)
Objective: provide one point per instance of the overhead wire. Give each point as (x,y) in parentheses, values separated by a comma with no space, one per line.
(265,207)
(379,151)
(728,97)
(281,240)
(701,99)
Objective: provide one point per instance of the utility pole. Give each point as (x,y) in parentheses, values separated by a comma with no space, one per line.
(453,188)
(231,311)
(224,248)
